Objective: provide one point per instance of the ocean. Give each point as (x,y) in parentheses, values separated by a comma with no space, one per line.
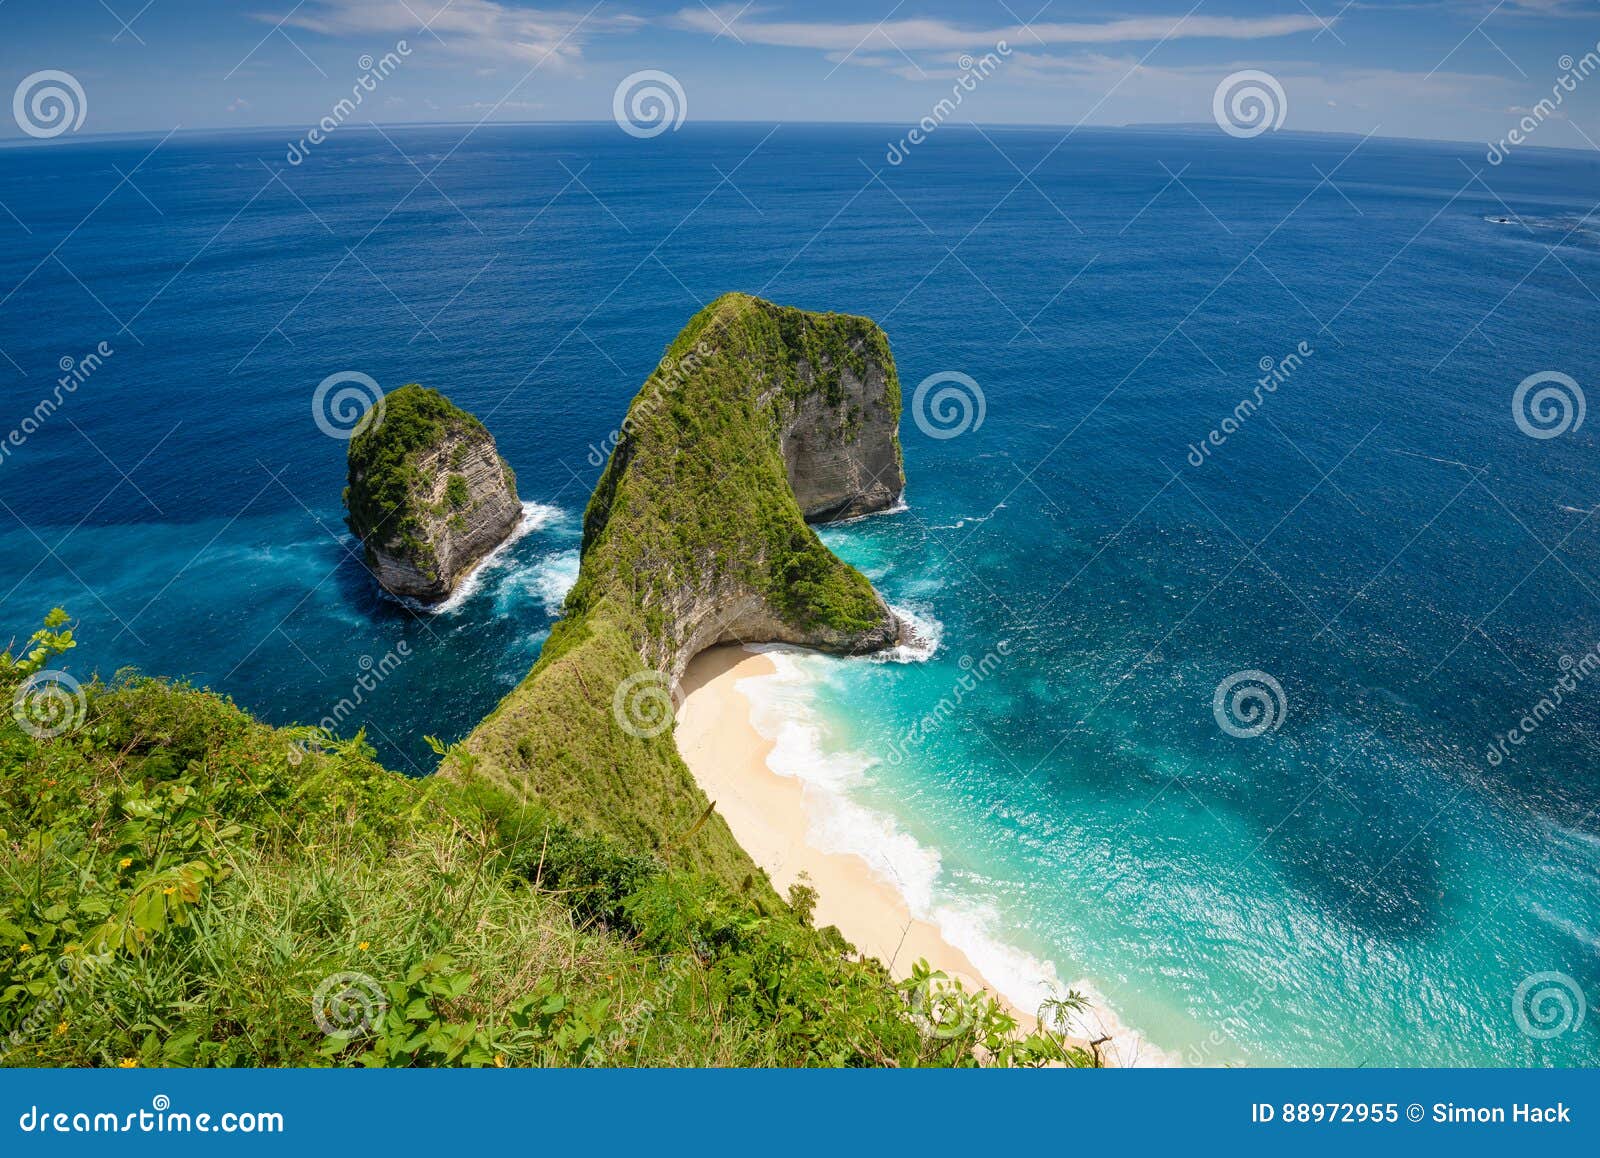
(1243,555)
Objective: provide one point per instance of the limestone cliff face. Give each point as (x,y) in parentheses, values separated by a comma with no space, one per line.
(841,448)
(429,496)
(795,420)
(759,420)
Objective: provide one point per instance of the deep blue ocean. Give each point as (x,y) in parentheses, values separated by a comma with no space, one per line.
(1359,885)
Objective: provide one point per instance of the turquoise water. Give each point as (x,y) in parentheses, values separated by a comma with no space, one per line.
(1360,884)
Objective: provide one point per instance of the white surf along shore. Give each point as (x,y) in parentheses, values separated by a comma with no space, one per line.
(754,742)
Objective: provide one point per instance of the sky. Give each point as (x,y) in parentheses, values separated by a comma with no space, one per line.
(1444,69)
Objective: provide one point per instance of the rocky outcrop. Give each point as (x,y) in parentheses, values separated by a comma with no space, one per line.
(429,496)
(759,421)
(842,448)
(808,408)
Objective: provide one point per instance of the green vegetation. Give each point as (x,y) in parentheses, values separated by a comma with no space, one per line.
(181,882)
(185,885)
(386,485)
(696,487)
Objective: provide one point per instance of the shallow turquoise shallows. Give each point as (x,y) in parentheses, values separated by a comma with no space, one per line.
(1140,531)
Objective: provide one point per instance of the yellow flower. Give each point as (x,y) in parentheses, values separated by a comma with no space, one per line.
(26,948)
(500,1060)
(169,890)
(364,945)
(62,1028)
(125,862)
(128,1063)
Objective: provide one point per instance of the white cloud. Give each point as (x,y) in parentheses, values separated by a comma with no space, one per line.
(482,29)
(912,35)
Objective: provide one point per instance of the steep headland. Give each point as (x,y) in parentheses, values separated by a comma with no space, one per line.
(758,417)
(208,890)
(428,496)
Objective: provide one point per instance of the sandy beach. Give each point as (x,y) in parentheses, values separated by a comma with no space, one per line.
(769,817)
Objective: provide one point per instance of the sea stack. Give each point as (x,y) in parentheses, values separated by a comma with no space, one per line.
(759,421)
(429,495)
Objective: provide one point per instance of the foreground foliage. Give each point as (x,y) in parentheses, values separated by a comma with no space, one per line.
(183,885)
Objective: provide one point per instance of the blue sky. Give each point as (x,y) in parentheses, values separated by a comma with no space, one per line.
(1448,69)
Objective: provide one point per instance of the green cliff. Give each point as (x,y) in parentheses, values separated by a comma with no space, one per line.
(695,536)
(428,494)
(185,885)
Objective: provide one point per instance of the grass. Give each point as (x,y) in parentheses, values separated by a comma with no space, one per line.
(695,498)
(184,885)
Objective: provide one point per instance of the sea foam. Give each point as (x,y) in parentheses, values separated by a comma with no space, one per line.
(534,516)
(783,710)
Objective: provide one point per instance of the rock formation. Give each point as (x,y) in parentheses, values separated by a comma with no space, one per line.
(758,419)
(428,494)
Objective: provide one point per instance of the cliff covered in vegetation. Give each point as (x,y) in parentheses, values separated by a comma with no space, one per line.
(428,496)
(695,536)
(184,885)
